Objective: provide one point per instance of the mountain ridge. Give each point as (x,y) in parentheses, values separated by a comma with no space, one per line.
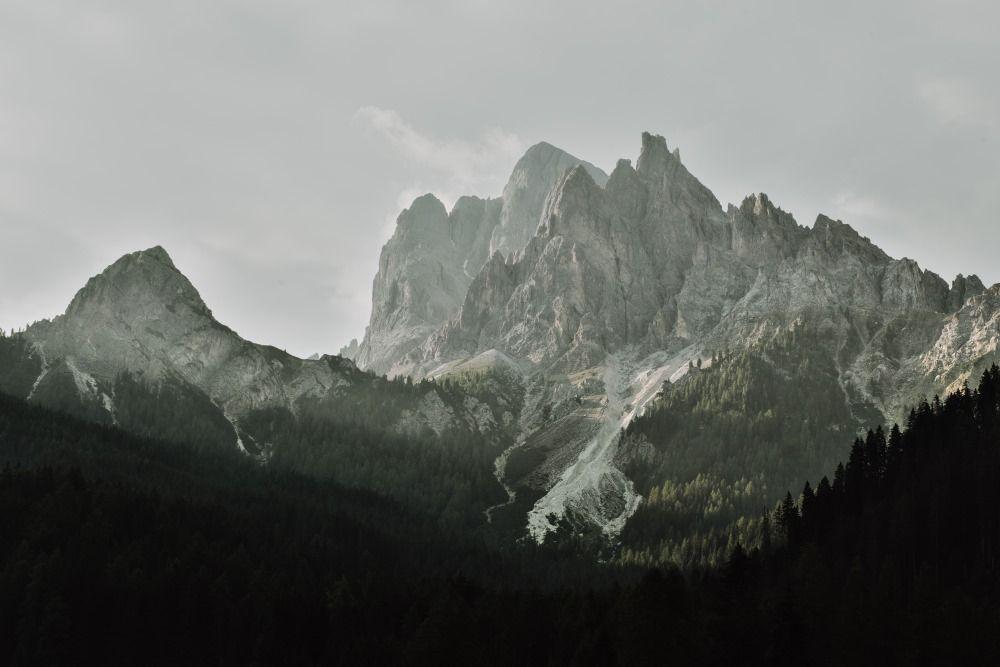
(548,352)
(426,267)
(138,335)
(647,272)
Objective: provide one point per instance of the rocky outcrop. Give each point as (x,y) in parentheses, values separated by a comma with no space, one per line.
(142,317)
(646,271)
(579,296)
(426,268)
(420,283)
(963,289)
(527,189)
(651,262)
(349,351)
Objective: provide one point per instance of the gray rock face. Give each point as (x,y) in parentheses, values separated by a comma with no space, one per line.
(625,281)
(524,196)
(586,292)
(644,261)
(651,262)
(143,317)
(427,266)
(349,351)
(420,283)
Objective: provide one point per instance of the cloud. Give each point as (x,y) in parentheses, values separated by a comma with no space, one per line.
(958,102)
(451,167)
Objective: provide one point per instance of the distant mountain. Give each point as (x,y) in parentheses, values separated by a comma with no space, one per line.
(626,283)
(427,266)
(617,354)
(350,351)
(138,348)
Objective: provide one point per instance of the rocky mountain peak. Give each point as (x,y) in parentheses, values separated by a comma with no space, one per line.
(627,190)
(426,268)
(576,182)
(758,205)
(156,253)
(139,331)
(531,181)
(623,170)
(654,156)
(425,217)
(679,193)
(838,237)
(472,221)
(761,211)
(349,351)
(138,282)
(962,289)
(762,231)
(131,316)
(571,205)
(421,281)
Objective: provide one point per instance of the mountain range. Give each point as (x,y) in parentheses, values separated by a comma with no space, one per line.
(553,327)
(627,281)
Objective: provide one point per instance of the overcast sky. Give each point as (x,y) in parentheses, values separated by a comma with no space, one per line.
(269,144)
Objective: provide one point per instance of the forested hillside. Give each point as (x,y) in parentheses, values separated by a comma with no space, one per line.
(125,551)
(719,448)
(369,433)
(896,559)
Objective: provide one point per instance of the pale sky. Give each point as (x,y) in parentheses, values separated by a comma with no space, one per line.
(268,145)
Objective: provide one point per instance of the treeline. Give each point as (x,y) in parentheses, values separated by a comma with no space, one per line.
(717,449)
(893,559)
(896,559)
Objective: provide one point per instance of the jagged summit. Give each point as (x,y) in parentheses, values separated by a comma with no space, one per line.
(427,266)
(157,252)
(533,177)
(544,152)
(606,286)
(836,235)
(644,257)
(964,288)
(423,206)
(645,264)
(654,154)
(136,282)
(542,148)
(576,178)
(623,165)
(759,204)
